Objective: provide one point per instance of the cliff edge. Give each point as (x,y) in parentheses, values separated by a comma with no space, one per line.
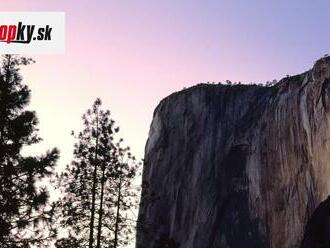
(237,166)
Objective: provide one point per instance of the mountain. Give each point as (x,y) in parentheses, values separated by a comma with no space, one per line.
(237,165)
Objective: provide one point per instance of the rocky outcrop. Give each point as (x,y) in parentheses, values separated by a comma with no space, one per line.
(237,166)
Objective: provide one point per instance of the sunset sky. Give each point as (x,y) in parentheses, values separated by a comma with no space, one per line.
(132,54)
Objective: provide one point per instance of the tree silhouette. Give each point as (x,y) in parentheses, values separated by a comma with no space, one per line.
(70,242)
(90,184)
(125,197)
(24,213)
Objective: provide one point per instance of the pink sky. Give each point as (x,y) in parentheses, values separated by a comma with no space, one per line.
(134,53)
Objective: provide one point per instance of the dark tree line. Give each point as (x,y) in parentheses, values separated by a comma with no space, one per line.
(97,191)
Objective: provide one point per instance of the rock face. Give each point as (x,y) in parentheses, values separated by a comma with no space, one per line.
(237,166)
(317,232)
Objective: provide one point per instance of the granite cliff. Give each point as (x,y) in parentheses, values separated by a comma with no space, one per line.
(237,166)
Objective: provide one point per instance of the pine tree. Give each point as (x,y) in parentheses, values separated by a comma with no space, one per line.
(78,182)
(24,212)
(126,198)
(69,242)
(89,184)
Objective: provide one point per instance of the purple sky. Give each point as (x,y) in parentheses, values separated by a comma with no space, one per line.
(134,53)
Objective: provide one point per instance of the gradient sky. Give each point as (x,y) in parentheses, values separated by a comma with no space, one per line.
(134,53)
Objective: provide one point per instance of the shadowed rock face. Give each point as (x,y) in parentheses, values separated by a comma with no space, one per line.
(317,232)
(237,166)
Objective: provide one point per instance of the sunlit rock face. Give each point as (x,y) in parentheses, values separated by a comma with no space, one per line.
(237,166)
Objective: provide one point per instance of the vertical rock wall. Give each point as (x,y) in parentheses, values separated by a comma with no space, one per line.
(237,166)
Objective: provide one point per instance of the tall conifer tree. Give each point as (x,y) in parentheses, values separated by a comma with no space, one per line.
(89,184)
(24,212)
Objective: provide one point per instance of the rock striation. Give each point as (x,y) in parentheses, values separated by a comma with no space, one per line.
(237,166)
